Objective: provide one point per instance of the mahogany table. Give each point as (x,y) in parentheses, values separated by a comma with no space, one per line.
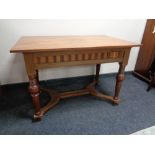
(55,51)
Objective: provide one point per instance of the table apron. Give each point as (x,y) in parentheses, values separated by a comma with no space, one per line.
(72,58)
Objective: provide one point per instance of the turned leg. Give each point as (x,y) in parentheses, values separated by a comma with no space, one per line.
(37,76)
(152,82)
(150,85)
(119,79)
(98,66)
(35,91)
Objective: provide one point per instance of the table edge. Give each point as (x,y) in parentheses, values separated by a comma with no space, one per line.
(64,49)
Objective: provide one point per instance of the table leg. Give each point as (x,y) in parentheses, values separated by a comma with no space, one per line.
(152,80)
(35,92)
(37,76)
(98,66)
(119,79)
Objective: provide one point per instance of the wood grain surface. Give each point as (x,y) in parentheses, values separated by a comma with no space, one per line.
(57,43)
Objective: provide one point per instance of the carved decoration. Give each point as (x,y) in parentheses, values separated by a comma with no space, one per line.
(78,56)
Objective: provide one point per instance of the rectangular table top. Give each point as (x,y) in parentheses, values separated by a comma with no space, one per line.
(55,43)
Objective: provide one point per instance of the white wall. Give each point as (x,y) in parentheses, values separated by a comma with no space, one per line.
(12,69)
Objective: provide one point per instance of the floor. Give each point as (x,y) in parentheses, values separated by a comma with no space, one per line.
(80,115)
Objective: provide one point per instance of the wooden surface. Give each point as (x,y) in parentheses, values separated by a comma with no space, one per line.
(147,51)
(75,57)
(51,43)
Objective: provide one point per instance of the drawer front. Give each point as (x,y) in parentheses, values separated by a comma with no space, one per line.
(63,58)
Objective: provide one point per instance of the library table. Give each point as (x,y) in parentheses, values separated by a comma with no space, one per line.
(56,51)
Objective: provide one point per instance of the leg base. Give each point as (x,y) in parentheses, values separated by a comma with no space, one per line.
(56,96)
(37,117)
(116,101)
(152,81)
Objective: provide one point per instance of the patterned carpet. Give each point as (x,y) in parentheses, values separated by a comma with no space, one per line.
(80,115)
